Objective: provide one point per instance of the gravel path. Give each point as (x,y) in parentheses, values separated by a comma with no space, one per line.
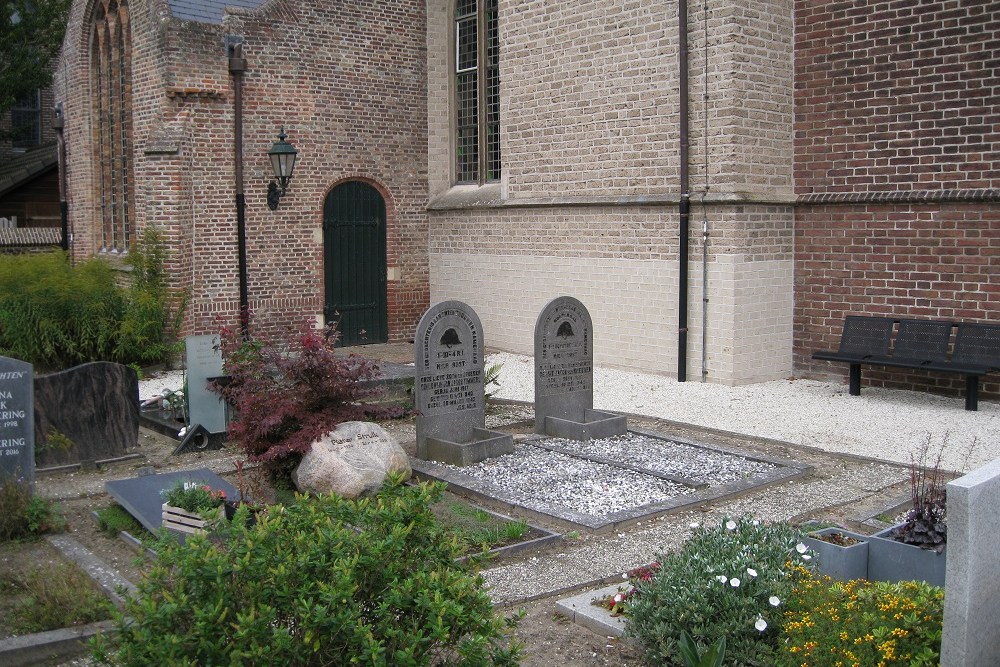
(885,424)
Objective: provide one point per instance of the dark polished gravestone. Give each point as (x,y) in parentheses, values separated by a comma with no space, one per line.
(142,496)
(564,375)
(448,388)
(17,414)
(87,413)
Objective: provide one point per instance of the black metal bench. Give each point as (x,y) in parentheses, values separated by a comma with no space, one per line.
(922,344)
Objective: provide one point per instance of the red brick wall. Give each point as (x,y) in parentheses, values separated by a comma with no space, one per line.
(896,171)
(348,83)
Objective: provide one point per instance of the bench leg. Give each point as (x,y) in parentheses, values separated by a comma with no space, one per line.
(855,380)
(971,392)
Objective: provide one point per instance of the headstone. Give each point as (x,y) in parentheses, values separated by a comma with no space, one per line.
(17,414)
(142,496)
(352,460)
(972,572)
(86,414)
(204,361)
(564,375)
(448,388)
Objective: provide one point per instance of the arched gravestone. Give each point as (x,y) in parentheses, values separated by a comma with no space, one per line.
(564,375)
(17,415)
(448,388)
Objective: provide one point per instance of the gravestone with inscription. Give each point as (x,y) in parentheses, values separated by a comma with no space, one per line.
(17,425)
(206,408)
(564,375)
(448,387)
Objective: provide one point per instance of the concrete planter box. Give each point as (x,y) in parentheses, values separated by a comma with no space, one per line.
(842,563)
(889,560)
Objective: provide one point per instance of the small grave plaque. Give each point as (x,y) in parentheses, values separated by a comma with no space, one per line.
(142,496)
(448,388)
(17,415)
(564,375)
(204,361)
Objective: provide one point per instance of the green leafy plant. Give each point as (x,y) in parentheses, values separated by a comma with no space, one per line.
(194,497)
(726,581)
(712,657)
(491,376)
(828,623)
(115,520)
(23,514)
(57,595)
(289,393)
(310,583)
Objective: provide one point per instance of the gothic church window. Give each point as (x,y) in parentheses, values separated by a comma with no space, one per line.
(477,91)
(26,121)
(111,92)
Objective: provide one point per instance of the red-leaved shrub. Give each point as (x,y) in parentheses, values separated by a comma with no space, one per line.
(289,393)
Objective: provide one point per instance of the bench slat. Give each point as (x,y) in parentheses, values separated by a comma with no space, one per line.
(922,341)
(977,345)
(865,336)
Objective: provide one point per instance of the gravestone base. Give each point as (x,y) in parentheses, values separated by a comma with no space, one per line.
(484,444)
(595,426)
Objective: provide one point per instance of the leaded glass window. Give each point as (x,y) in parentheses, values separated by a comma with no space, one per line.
(477,91)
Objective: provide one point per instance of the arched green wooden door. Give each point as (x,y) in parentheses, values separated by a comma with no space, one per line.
(355,265)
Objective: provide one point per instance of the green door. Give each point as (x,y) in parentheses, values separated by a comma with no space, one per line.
(354,260)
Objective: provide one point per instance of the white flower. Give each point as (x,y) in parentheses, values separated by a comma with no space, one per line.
(734,582)
(806,557)
(752,572)
(722,578)
(801,548)
(730,525)
(693,524)
(619,597)
(774,600)
(761,624)
(756,522)
(624,575)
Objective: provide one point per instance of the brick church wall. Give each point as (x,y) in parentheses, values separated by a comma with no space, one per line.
(896,171)
(346,82)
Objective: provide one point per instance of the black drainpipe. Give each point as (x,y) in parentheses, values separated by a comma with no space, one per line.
(237,65)
(685,201)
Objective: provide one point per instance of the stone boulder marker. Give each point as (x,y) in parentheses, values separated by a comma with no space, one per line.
(17,415)
(564,375)
(448,387)
(353,459)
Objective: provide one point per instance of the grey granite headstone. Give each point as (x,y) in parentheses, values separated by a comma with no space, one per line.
(87,413)
(17,414)
(972,572)
(448,388)
(204,361)
(564,375)
(142,496)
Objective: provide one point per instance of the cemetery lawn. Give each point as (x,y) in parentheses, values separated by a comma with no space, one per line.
(41,590)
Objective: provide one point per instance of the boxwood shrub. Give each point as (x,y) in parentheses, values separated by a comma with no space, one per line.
(323,581)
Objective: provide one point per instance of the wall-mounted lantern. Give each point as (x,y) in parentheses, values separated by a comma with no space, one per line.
(282,156)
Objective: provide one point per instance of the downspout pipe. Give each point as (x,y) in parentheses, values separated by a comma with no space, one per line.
(59,125)
(237,65)
(685,199)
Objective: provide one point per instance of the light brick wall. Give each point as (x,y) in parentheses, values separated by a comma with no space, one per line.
(621,262)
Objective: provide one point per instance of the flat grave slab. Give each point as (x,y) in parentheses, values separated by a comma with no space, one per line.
(599,485)
(580,610)
(141,496)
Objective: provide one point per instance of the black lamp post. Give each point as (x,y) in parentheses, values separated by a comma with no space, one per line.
(282,156)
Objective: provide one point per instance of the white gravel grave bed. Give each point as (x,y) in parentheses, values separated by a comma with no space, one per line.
(668,457)
(537,475)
